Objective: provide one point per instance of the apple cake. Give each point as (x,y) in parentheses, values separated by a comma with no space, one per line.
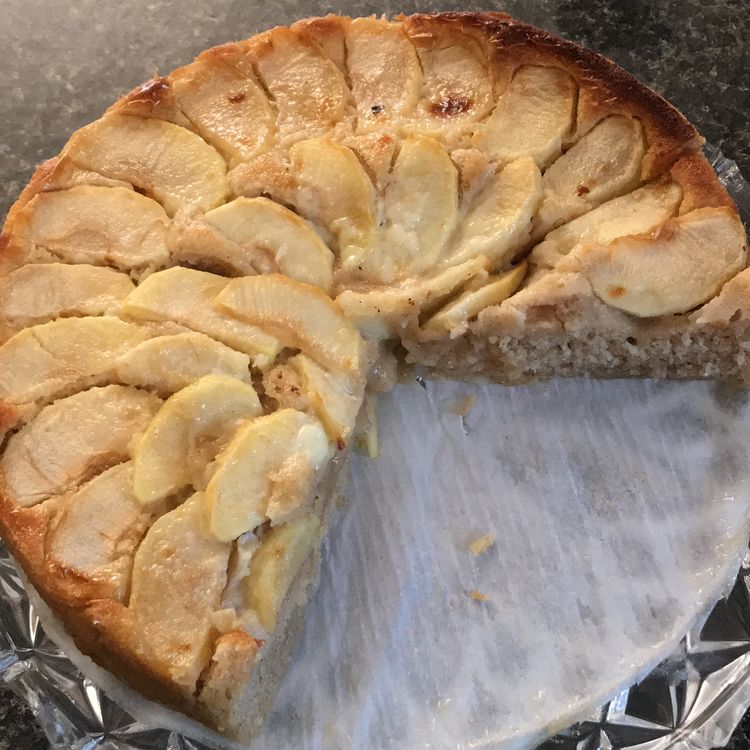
(198,293)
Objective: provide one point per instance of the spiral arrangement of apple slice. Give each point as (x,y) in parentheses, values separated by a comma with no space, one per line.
(192,294)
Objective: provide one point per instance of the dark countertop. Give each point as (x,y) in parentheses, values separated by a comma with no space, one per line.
(63,63)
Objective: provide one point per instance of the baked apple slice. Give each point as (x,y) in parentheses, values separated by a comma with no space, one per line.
(455,316)
(104,226)
(282,552)
(681,265)
(384,72)
(532,117)
(498,221)
(385,313)
(186,296)
(96,530)
(239,491)
(168,363)
(259,226)
(635,213)
(40,362)
(604,163)
(335,191)
(225,104)
(179,574)
(169,163)
(299,315)
(187,433)
(335,399)
(310,93)
(38,293)
(419,213)
(72,440)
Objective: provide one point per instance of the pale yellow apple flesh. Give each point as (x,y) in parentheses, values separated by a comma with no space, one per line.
(179,573)
(271,229)
(73,439)
(187,296)
(310,93)
(498,222)
(681,265)
(38,293)
(455,316)
(419,213)
(281,554)
(226,106)
(168,363)
(337,193)
(96,529)
(169,163)
(532,117)
(44,360)
(640,211)
(333,398)
(604,163)
(237,494)
(186,434)
(94,224)
(384,72)
(299,315)
(384,313)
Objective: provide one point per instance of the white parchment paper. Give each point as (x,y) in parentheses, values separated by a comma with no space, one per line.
(620,511)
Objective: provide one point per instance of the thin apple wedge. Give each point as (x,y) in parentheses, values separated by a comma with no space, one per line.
(335,191)
(498,222)
(456,86)
(40,292)
(266,227)
(635,213)
(225,104)
(420,210)
(92,224)
(170,163)
(310,92)
(42,361)
(333,398)
(96,530)
(179,574)
(532,117)
(72,440)
(384,72)
(238,493)
(189,430)
(275,564)
(455,316)
(169,363)
(604,163)
(187,296)
(384,313)
(679,266)
(299,315)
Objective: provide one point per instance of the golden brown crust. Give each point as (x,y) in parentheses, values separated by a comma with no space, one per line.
(700,186)
(155,98)
(329,33)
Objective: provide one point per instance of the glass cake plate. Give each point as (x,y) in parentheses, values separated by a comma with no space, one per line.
(620,512)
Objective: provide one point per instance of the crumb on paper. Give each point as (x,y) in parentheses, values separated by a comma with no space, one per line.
(462,406)
(478,596)
(481,544)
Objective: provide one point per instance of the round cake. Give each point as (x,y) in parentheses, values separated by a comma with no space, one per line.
(200,296)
